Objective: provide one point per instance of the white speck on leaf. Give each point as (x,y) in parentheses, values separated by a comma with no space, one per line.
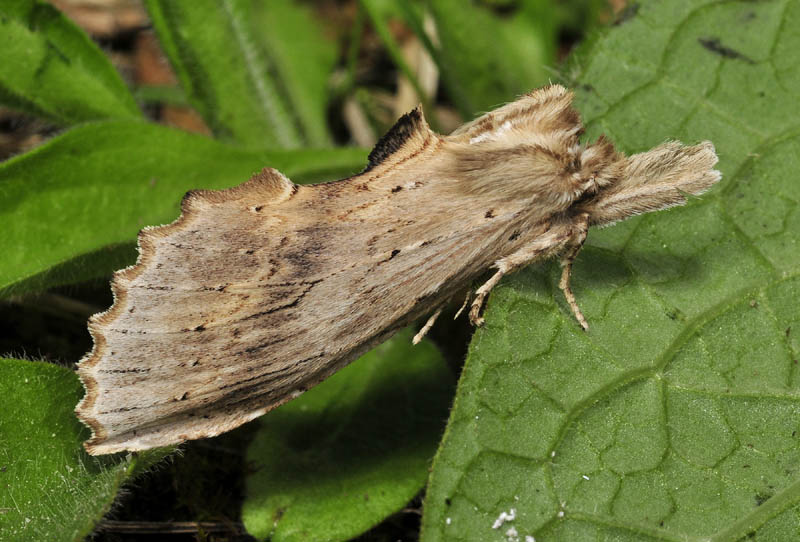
(503,517)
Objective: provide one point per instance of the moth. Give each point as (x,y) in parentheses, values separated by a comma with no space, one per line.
(258,292)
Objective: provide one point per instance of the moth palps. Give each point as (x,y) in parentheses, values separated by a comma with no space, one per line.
(258,292)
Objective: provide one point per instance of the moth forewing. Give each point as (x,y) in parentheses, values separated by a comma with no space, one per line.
(258,292)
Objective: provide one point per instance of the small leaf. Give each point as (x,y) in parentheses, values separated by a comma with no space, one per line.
(52,69)
(50,488)
(83,196)
(266,87)
(351,451)
(677,415)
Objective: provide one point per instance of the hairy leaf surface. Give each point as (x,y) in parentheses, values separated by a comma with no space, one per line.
(50,67)
(256,72)
(50,489)
(677,415)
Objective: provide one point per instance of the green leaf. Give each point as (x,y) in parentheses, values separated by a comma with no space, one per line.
(351,451)
(677,415)
(50,488)
(171,95)
(72,208)
(486,61)
(52,69)
(303,61)
(267,86)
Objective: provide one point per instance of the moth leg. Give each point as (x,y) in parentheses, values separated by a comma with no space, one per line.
(575,245)
(427,327)
(546,245)
(480,295)
(463,305)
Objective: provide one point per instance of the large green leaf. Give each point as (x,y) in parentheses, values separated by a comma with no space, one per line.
(50,488)
(71,208)
(351,451)
(51,68)
(677,415)
(257,72)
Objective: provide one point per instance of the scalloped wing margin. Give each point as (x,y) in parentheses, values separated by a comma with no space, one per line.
(269,184)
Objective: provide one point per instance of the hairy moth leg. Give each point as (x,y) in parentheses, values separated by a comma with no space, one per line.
(576,243)
(480,295)
(427,327)
(550,243)
(464,304)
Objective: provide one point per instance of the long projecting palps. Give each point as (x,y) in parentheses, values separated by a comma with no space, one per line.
(657,179)
(258,292)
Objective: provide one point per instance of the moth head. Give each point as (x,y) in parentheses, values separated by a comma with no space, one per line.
(562,174)
(600,166)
